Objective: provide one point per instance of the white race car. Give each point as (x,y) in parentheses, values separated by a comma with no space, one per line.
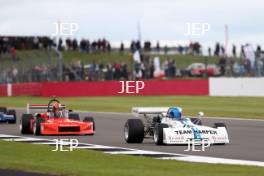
(165,130)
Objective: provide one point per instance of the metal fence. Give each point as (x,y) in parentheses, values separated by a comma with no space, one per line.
(32,69)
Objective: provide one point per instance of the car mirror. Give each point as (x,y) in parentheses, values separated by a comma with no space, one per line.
(200,114)
(164,114)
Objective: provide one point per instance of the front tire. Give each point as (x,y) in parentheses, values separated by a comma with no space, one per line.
(25,123)
(134,131)
(12,112)
(158,133)
(90,119)
(37,126)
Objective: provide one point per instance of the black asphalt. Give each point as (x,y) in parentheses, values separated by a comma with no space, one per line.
(246,136)
(9,172)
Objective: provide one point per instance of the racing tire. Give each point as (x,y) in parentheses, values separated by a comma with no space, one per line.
(196,121)
(134,131)
(216,125)
(12,112)
(37,126)
(3,110)
(158,133)
(25,123)
(74,116)
(90,119)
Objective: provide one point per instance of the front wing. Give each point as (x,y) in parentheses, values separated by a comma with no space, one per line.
(55,129)
(185,135)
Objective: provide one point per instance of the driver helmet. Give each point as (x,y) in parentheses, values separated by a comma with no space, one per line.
(175,113)
(55,107)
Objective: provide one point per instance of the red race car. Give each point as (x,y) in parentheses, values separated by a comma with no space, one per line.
(55,121)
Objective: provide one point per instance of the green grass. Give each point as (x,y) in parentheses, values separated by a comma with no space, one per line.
(29,58)
(242,107)
(40,158)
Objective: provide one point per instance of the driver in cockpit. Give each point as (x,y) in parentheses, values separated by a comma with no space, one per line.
(56,113)
(175,114)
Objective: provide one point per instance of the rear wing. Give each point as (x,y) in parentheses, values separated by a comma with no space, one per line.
(149,110)
(41,107)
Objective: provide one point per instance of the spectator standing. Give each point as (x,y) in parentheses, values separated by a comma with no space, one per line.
(242,52)
(108,47)
(158,47)
(222,65)
(209,52)
(234,51)
(13,54)
(217,49)
(74,44)
(121,47)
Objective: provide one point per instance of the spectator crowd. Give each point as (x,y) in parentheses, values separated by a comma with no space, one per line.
(143,66)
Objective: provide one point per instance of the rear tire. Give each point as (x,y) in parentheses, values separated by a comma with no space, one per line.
(37,126)
(12,112)
(134,131)
(3,110)
(25,123)
(74,116)
(90,119)
(158,133)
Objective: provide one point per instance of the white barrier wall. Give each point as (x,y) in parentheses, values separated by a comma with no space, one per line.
(236,86)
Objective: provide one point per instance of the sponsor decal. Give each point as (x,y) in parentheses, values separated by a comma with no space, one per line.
(196,132)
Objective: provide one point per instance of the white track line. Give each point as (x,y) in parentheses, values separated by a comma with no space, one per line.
(135,152)
(180,157)
(213,160)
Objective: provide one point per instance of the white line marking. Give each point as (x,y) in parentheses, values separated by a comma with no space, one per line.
(45,143)
(95,147)
(23,139)
(6,135)
(135,152)
(213,160)
(180,157)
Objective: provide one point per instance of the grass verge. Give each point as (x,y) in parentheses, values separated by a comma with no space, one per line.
(29,58)
(40,158)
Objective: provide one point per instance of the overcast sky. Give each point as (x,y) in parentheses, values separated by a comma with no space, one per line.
(117,20)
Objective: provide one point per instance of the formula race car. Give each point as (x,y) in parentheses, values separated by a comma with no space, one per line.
(7,115)
(167,126)
(55,121)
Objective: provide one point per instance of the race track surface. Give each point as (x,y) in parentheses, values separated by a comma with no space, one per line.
(246,136)
(8,172)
